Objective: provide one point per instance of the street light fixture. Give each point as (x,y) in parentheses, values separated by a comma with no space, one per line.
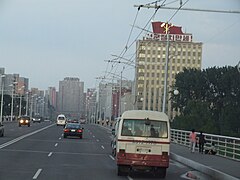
(175,92)
(2,86)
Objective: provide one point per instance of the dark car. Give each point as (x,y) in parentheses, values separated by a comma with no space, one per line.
(72,121)
(73,129)
(1,130)
(24,120)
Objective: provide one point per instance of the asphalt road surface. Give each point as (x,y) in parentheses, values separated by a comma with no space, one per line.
(40,152)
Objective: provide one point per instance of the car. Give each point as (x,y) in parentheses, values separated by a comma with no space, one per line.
(37,119)
(1,130)
(24,120)
(72,121)
(73,129)
(82,120)
(61,120)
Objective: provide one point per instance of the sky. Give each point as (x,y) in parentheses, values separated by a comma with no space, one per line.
(48,40)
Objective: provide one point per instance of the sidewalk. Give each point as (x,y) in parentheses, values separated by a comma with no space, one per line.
(215,166)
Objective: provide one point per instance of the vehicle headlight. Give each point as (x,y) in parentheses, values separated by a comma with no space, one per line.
(21,121)
(26,121)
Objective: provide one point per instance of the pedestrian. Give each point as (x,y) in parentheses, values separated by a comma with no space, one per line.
(211,150)
(201,142)
(193,140)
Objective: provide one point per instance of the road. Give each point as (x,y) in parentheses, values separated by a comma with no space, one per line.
(40,152)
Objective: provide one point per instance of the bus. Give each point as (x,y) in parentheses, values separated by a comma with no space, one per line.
(61,120)
(142,142)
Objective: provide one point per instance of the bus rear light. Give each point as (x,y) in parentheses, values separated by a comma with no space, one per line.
(164,155)
(122,153)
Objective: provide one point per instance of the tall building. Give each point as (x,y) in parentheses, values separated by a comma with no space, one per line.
(69,96)
(52,97)
(91,104)
(151,60)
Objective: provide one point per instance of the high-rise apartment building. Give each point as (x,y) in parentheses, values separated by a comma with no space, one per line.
(69,96)
(151,60)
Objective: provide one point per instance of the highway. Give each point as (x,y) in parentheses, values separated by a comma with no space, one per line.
(40,152)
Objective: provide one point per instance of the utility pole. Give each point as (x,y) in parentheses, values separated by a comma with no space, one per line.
(166,26)
(120,93)
(238,66)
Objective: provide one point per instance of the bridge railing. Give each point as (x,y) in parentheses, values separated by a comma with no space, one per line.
(228,147)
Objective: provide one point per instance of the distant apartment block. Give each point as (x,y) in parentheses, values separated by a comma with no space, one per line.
(69,97)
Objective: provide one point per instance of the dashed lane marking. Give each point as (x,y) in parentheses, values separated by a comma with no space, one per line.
(129,178)
(37,173)
(112,157)
(103,147)
(49,154)
(56,144)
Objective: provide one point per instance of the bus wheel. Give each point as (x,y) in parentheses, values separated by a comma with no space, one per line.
(161,172)
(122,170)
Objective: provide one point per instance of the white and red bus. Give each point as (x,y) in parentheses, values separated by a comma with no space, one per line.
(142,141)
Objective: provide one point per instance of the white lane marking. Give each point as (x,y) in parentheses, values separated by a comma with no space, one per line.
(49,154)
(37,174)
(24,136)
(59,138)
(112,157)
(97,140)
(56,144)
(129,178)
(93,136)
(102,147)
(62,134)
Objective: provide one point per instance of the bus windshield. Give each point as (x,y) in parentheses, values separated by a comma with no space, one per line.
(61,118)
(139,128)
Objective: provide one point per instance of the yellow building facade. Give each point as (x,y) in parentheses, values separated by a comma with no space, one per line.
(150,67)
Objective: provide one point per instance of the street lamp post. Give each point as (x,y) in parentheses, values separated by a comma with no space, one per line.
(12,85)
(20,104)
(238,66)
(2,86)
(27,103)
(166,26)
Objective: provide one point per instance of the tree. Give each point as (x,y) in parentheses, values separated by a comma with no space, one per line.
(212,95)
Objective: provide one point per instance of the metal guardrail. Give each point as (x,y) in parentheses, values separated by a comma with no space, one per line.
(228,147)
